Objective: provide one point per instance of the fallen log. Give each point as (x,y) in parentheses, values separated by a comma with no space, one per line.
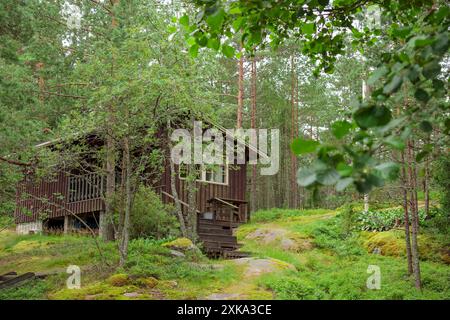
(16,280)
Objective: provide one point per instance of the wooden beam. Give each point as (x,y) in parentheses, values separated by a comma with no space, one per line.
(182,202)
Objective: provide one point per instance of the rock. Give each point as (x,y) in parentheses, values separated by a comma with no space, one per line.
(91,296)
(118,280)
(286,241)
(217,266)
(288,244)
(180,244)
(257,267)
(266,235)
(131,294)
(177,254)
(223,296)
(376,250)
(149,282)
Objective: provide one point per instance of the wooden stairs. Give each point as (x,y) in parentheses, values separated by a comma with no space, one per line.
(218,239)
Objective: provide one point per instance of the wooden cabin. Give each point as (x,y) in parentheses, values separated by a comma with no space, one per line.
(50,205)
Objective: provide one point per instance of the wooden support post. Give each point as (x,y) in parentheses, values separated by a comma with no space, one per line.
(67,224)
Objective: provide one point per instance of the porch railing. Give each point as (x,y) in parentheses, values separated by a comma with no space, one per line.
(86,187)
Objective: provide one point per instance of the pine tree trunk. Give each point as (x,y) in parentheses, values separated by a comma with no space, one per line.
(414,216)
(106,222)
(125,236)
(404,181)
(240,96)
(293,201)
(426,188)
(192,204)
(253,193)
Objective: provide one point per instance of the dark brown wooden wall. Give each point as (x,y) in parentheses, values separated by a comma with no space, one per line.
(29,194)
(236,188)
(29,205)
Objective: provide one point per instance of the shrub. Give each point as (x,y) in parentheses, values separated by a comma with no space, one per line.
(387,219)
(329,235)
(349,219)
(441,177)
(277,213)
(150,218)
(292,288)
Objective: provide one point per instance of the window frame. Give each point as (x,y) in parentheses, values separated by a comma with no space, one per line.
(203,170)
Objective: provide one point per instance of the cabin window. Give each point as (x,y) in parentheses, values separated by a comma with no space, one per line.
(207,173)
(183,171)
(216,174)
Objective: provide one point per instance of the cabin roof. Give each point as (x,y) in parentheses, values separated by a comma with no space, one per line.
(204,118)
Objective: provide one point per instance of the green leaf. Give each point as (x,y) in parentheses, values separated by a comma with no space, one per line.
(341,128)
(302,146)
(184,21)
(372,116)
(306,177)
(388,170)
(191,41)
(344,169)
(393,85)
(367,183)
(395,142)
(228,51)
(235,10)
(426,126)
(193,51)
(328,177)
(343,183)
(216,19)
(402,32)
(237,23)
(421,155)
(441,45)
(171,29)
(213,43)
(431,69)
(308,28)
(423,42)
(422,95)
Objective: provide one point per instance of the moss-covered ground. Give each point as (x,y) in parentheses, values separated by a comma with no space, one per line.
(327,264)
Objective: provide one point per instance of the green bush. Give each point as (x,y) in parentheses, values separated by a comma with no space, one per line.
(330,235)
(387,219)
(150,218)
(292,288)
(349,219)
(277,213)
(147,258)
(441,178)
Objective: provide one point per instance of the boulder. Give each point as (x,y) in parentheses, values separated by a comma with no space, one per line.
(180,244)
(256,267)
(118,280)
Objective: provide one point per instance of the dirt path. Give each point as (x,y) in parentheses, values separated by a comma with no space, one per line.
(252,268)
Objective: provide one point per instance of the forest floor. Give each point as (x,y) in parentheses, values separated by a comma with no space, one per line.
(294,254)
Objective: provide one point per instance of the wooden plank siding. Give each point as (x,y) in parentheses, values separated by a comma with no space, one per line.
(29,208)
(235,189)
(31,203)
